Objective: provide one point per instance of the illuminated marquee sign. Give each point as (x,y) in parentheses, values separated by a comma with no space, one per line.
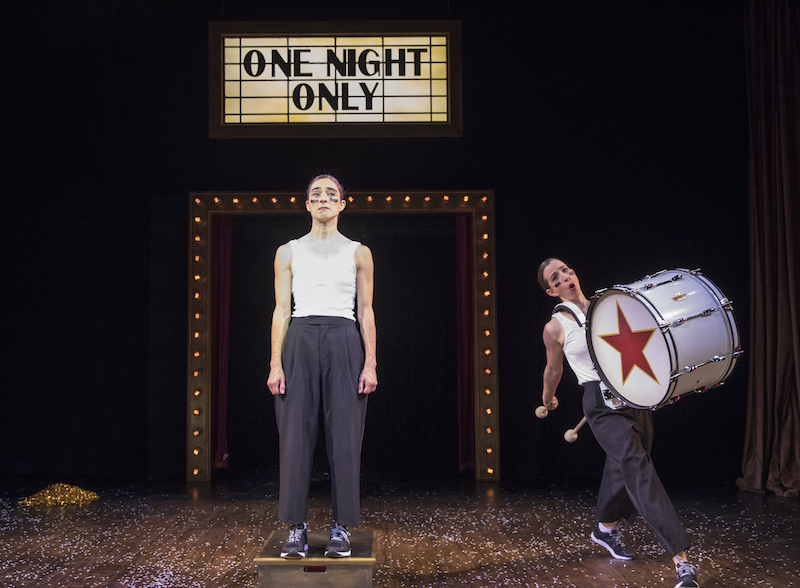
(335,79)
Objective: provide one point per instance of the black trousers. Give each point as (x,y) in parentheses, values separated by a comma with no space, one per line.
(322,358)
(630,484)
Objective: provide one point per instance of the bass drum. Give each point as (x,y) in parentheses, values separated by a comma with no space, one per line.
(670,334)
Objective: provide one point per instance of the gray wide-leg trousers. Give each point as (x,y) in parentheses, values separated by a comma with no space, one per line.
(322,359)
(630,482)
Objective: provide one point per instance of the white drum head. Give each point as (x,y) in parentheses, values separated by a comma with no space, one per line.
(629,351)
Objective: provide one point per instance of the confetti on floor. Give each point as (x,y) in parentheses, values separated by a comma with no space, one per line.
(469,535)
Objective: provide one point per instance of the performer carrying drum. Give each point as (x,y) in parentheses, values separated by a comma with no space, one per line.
(630,484)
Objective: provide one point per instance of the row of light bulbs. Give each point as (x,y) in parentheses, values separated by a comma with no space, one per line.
(255,200)
(198,277)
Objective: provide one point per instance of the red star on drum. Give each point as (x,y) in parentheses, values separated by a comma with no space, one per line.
(631,345)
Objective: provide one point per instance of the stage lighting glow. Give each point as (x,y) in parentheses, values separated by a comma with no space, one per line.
(279,82)
(199,407)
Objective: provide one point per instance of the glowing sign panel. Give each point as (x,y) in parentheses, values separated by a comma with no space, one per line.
(304,84)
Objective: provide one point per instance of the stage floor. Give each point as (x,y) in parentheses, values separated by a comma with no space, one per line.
(428,534)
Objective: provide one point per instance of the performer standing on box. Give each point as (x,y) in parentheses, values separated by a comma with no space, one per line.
(630,484)
(319,359)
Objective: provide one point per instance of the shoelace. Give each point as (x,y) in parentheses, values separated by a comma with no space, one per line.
(296,535)
(616,538)
(684,568)
(339,533)
(614,535)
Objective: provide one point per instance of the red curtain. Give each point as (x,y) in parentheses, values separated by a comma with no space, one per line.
(772,440)
(465,309)
(220,325)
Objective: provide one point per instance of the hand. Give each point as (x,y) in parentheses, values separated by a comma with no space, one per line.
(368,381)
(552,404)
(276,382)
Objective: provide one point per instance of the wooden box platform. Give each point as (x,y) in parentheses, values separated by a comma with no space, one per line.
(315,570)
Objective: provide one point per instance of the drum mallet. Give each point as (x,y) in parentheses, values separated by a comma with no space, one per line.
(541,412)
(572,434)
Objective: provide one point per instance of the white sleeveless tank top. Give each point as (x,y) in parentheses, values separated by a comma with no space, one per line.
(323,286)
(576,349)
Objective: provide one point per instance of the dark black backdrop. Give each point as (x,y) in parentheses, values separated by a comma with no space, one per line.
(613,134)
(412,422)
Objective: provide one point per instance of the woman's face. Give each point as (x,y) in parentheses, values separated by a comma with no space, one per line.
(324,200)
(561,280)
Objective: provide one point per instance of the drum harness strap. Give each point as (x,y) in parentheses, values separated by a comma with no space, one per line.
(611,401)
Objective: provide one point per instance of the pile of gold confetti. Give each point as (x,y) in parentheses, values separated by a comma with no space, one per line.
(59,495)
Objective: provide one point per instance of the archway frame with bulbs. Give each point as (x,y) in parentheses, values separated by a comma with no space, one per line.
(478,204)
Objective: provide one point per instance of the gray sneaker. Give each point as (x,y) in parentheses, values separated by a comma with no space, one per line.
(613,544)
(296,545)
(339,545)
(687,575)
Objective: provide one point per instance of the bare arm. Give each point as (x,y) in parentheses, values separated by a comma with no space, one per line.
(280,318)
(365,270)
(553,337)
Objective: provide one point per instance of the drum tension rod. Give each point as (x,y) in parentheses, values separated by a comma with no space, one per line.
(689,369)
(650,286)
(695,391)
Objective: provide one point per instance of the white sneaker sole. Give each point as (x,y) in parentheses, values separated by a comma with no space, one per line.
(294,554)
(337,554)
(611,551)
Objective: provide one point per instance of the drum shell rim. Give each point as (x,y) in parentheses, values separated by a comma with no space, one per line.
(729,318)
(670,343)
